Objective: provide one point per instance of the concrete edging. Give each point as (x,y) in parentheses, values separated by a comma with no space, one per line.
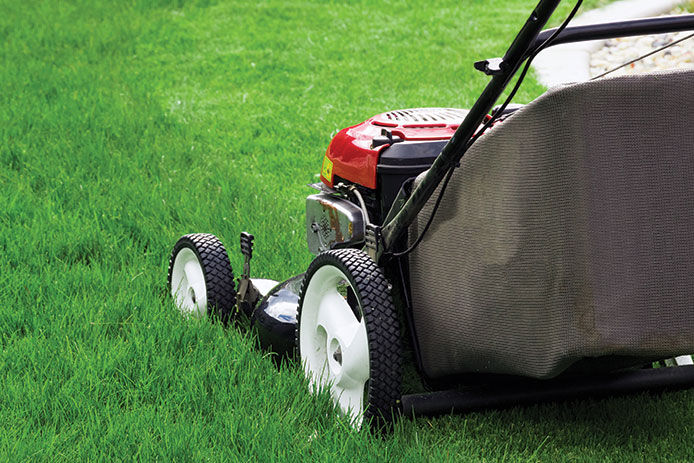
(571,62)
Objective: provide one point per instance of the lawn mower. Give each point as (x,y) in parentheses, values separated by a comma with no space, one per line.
(518,253)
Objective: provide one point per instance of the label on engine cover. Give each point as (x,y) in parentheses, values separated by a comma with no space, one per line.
(327,169)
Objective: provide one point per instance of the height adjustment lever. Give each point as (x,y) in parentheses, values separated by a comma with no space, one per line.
(247,294)
(247,248)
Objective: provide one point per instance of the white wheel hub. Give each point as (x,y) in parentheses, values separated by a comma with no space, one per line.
(333,343)
(188,284)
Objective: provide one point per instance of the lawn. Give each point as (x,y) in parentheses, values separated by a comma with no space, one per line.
(124,125)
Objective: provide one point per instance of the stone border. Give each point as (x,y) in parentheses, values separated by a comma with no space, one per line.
(571,62)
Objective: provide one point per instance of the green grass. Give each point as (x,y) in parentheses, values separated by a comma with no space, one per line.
(124,125)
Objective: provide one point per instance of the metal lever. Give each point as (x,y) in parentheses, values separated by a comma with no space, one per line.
(247,294)
(247,251)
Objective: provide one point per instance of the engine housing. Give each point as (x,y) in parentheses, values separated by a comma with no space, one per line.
(354,153)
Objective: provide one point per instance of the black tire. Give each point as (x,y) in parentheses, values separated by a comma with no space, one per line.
(216,269)
(372,301)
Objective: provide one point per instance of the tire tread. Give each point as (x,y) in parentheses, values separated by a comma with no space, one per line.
(219,277)
(382,327)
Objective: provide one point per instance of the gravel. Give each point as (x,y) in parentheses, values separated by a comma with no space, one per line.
(619,51)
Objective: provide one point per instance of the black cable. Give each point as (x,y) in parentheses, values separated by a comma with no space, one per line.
(431,217)
(488,124)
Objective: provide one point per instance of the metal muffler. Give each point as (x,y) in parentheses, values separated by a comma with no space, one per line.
(332,222)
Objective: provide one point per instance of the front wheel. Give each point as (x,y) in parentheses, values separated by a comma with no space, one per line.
(200,277)
(349,335)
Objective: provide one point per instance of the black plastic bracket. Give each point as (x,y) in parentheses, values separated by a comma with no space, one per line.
(491,67)
(386,138)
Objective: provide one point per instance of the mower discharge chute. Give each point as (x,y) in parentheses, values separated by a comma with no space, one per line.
(555,259)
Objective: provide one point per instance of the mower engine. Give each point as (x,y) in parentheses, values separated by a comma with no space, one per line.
(365,167)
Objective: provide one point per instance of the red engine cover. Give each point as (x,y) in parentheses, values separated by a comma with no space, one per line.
(352,157)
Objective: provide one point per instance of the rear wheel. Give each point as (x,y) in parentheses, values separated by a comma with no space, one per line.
(200,277)
(348,335)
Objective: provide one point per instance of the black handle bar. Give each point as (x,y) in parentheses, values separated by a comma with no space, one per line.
(614,30)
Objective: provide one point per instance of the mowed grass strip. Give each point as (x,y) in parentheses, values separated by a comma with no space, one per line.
(124,125)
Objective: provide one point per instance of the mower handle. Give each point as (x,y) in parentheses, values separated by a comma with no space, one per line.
(613,30)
